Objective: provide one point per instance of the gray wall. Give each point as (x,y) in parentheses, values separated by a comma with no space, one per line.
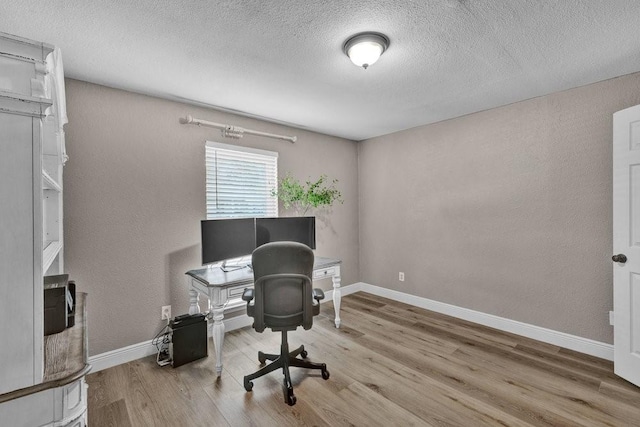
(134,197)
(506,211)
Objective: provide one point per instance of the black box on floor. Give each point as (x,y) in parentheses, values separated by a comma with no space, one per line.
(188,338)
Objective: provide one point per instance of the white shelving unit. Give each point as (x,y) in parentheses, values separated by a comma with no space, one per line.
(32,157)
(23,108)
(53,158)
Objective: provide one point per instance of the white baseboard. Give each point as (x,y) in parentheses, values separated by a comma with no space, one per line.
(561,339)
(121,355)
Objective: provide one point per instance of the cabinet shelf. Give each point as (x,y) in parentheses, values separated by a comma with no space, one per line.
(13,96)
(25,105)
(48,183)
(51,250)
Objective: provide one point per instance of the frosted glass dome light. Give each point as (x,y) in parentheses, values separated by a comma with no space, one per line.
(364,49)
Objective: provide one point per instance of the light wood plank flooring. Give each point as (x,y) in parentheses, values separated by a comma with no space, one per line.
(391,364)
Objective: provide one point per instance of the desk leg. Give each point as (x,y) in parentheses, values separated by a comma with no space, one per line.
(194,298)
(218,334)
(337,296)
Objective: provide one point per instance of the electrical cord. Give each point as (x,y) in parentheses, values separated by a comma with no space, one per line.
(162,341)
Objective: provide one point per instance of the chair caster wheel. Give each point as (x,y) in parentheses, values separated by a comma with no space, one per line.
(304,354)
(325,374)
(248,385)
(261,358)
(290,399)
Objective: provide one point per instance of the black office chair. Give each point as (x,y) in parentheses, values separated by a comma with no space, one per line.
(282,300)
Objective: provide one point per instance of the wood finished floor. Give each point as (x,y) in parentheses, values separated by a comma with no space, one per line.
(391,364)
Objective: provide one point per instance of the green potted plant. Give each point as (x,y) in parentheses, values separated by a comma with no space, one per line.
(302,197)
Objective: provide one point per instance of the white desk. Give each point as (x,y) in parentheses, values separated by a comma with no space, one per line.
(224,291)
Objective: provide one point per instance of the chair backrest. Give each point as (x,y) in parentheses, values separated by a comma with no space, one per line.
(282,274)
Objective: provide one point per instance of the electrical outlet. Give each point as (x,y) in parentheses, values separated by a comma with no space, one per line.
(401,276)
(166,312)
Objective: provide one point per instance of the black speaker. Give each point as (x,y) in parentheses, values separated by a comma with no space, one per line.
(188,339)
(55,303)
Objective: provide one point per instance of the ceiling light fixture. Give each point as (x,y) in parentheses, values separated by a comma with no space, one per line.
(364,49)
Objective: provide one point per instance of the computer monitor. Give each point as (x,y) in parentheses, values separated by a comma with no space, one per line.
(300,229)
(223,239)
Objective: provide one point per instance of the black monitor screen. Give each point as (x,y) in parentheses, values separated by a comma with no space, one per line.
(227,238)
(297,229)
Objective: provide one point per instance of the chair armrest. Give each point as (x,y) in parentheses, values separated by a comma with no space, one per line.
(318,294)
(247,295)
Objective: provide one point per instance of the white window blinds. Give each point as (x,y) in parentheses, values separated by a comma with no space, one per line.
(240,181)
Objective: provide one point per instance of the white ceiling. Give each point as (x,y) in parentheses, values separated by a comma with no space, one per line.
(283,61)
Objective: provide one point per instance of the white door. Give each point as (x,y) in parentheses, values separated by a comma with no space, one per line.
(626,243)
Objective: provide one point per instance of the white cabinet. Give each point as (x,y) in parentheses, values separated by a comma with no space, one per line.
(61,399)
(61,406)
(32,156)
(31,124)
(22,113)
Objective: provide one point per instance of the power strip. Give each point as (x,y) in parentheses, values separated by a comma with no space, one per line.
(163,357)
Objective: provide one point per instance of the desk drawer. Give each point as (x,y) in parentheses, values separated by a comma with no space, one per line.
(237,291)
(324,273)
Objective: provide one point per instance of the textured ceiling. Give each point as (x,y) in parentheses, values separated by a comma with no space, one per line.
(283,60)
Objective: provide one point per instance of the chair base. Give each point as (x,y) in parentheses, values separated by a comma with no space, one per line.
(284,360)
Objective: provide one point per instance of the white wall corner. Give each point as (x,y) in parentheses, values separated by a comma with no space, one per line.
(561,339)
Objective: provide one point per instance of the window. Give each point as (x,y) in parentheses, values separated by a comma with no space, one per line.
(239,181)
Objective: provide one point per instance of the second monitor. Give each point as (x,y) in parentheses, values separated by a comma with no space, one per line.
(297,229)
